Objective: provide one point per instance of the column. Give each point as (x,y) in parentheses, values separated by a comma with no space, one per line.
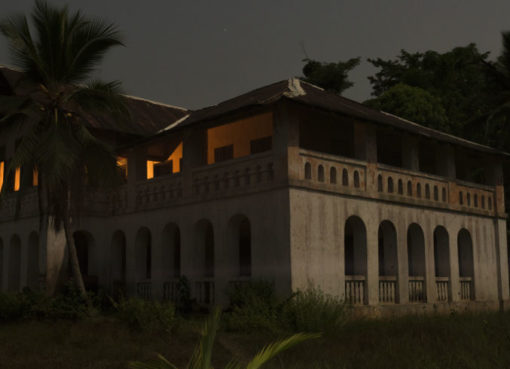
(372,264)
(403,263)
(430,272)
(454,265)
(410,152)
(137,171)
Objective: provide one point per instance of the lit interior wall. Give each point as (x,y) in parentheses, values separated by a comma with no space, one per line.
(35,178)
(175,157)
(17,179)
(239,134)
(122,164)
(2,164)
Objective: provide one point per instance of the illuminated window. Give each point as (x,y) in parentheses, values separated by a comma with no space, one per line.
(35,178)
(17,179)
(171,165)
(246,136)
(2,164)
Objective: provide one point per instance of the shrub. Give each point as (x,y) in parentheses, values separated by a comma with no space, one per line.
(314,311)
(145,315)
(183,303)
(253,306)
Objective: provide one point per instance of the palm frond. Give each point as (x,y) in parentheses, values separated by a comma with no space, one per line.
(274,349)
(160,363)
(201,358)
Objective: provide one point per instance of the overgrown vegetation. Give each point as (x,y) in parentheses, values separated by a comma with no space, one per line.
(254,306)
(152,316)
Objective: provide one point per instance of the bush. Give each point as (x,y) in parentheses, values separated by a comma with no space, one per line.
(253,306)
(314,311)
(145,315)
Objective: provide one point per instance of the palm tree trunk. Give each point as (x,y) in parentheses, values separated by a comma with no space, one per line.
(73,255)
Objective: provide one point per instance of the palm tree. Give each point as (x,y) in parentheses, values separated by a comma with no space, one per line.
(57,52)
(202,355)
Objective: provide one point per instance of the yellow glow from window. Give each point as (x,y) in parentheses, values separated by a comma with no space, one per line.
(122,163)
(1,174)
(35,178)
(150,168)
(175,157)
(239,134)
(17,179)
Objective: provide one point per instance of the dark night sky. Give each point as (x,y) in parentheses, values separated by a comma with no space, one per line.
(197,53)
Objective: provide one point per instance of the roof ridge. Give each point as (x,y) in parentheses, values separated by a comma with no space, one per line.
(155,102)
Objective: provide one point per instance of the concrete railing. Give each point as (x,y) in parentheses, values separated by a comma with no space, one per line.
(354,177)
(144,290)
(170,290)
(158,192)
(466,288)
(442,288)
(233,176)
(355,289)
(387,289)
(416,289)
(204,291)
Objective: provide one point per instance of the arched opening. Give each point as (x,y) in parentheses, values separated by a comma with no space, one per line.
(356,179)
(143,252)
(33,261)
(171,251)
(442,263)
(204,259)
(308,171)
(320,173)
(436,193)
(240,258)
(466,264)
(418,190)
(444,194)
(355,260)
(390,185)
(379,183)
(332,175)
(400,187)
(14,265)
(409,188)
(118,263)
(387,237)
(345,177)
(427,191)
(84,242)
(416,262)
(171,254)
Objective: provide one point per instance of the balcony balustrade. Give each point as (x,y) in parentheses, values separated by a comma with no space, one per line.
(416,289)
(171,290)
(355,289)
(442,288)
(388,289)
(204,291)
(144,290)
(466,288)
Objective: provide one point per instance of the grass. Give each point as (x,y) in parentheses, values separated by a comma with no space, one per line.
(429,342)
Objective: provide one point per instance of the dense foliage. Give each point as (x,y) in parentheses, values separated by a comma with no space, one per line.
(330,76)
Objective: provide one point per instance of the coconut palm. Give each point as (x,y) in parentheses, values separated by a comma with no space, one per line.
(57,51)
(202,355)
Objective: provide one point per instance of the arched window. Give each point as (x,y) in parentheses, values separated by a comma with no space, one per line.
(461,198)
(143,244)
(320,173)
(466,265)
(489,201)
(379,183)
(14,265)
(390,185)
(171,251)
(436,194)
(409,188)
(355,257)
(468,199)
(308,171)
(33,261)
(427,191)
(356,179)
(388,268)
(483,202)
(345,177)
(475,200)
(442,263)
(400,187)
(418,190)
(204,262)
(332,175)
(416,263)
(443,191)
(118,263)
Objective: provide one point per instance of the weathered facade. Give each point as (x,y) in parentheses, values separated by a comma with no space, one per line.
(291,184)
